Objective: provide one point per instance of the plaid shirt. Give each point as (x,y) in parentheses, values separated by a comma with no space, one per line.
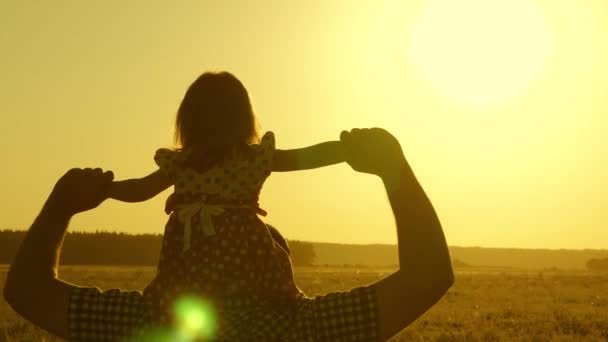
(116,315)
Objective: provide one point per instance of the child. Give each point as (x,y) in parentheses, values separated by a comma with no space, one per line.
(214,244)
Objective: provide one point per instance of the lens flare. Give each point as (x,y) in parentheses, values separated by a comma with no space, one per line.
(194,318)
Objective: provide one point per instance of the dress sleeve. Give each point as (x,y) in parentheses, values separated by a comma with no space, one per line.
(266,152)
(165,159)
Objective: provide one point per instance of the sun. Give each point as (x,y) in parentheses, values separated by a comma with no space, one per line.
(480,52)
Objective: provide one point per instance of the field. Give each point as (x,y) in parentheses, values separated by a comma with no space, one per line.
(483,305)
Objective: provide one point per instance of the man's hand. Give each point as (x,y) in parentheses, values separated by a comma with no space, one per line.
(425,271)
(32,286)
(375,151)
(372,150)
(79,190)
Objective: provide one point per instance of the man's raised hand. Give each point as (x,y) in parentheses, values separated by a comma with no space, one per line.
(79,190)
(372,150)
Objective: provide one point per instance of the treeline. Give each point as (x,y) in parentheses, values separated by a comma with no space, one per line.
(598,265)
(387,255)
(98,248)
(110,248)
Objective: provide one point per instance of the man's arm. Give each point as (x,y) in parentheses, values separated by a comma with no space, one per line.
(425,271)
(312,157)
(32,287)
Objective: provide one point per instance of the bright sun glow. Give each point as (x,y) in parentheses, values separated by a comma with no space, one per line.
(480,52)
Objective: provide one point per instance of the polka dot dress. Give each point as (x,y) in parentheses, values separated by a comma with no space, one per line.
(214,244)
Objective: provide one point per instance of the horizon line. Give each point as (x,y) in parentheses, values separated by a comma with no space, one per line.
(329,242)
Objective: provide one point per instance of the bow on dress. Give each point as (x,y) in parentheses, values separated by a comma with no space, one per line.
(206,212)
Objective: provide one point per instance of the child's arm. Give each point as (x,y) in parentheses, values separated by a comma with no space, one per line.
(312,157)
(140,189)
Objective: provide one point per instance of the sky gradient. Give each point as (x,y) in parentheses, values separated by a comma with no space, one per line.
(97,84)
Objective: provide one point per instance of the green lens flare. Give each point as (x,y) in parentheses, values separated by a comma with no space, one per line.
(195,318)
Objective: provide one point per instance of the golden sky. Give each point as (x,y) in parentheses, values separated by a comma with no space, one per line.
(500,106)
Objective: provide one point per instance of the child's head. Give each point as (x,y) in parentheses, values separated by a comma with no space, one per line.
(215,115)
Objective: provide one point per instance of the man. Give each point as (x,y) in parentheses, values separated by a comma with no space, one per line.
(374,312)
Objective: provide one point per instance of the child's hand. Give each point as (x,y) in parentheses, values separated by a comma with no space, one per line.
(112,189)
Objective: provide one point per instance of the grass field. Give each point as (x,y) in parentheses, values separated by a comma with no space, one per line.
(483,305)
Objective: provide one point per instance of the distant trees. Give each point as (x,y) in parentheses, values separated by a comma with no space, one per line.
(457,263)
(99,248)
(9,242)
(302,253)
(597,265)
(109,248)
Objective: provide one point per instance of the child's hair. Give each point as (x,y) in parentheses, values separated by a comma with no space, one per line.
(214,118)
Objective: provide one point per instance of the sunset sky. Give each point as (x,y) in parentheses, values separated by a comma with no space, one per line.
(501,107)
